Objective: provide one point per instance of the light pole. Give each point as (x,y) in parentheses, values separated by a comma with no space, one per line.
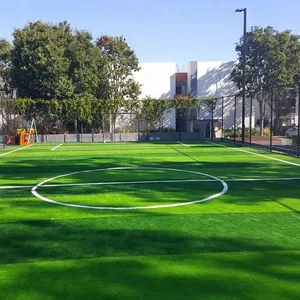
(244,71)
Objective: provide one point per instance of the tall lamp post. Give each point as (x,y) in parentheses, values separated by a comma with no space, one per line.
(244,71)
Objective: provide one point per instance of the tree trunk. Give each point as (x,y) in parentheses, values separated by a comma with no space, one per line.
(262,110)
(278,113)
(261,116)
(76,126)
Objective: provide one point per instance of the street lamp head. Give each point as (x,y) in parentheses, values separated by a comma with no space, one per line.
(240,9)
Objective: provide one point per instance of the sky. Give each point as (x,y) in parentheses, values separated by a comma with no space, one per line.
(159,30)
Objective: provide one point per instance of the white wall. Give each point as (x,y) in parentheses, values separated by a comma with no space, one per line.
(158,81)
(155,79)
(191,69)
(214,81)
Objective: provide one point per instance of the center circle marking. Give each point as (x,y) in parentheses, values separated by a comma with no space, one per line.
(36,194)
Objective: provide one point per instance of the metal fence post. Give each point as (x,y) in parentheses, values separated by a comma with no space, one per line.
(139,133)
(2,116)
(222,133)
(103,136)
(298,133)
(250,125)
(234,121)
(271,123)
(212,129)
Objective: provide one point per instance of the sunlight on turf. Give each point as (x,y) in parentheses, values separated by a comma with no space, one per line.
(245,242)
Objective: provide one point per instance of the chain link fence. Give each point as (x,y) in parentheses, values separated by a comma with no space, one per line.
(271,122)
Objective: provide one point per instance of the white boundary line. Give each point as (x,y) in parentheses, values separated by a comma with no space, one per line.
(129,182)
(262,179)
(108,183)
(4,187)
(185,145)
(8,187)
(15,150)
(35,193)
(103,149)
(257,154)
(56,147)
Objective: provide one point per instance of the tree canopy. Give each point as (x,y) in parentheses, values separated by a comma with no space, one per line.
(272,60)
(120,63)
(5,52)
(53,61)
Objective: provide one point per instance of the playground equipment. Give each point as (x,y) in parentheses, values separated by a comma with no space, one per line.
(24,137)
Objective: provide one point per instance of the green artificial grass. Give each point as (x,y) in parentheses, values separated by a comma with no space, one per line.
(242,245)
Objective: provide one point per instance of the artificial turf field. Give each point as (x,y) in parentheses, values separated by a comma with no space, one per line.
(243,243)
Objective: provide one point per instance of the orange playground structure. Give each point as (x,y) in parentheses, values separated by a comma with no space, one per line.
(24,137)
(27,137)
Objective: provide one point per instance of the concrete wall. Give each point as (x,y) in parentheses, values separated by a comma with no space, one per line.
(119,137)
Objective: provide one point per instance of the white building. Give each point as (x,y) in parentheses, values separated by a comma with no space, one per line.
(196,79)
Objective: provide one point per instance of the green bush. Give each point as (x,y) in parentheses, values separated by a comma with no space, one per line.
(295,140)
(254,131)
(267,131)
(163,129)
(229,132)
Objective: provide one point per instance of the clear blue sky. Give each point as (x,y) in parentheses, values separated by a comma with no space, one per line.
(159,30)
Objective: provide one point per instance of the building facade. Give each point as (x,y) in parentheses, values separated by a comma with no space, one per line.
(195,80)
(198,80)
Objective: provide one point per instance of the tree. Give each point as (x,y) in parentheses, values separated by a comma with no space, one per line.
(210,105)
(118,65)
(85,61)
(152,111)
(54,62)
(5,53)
(39,64)
(51,61)
(272,58)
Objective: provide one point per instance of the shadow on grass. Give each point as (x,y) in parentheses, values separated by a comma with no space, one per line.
(147,235)
(37,170)
(225,274)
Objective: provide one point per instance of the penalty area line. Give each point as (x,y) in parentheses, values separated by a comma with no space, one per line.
(15,150)
(257,154)
(185,145)
(56,147)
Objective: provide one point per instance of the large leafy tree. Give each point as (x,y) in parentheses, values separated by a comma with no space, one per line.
(120,63)
(85,61)
(51,61)
(39,64)
(5,54)
(54,62)
(272,59)
(210,105)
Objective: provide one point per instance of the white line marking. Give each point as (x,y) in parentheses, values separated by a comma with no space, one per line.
(56,147)
(224,190)
(257,154)
(185,145)
(4,187)
(107,183)
(128,182)
(95,148)
(15,150)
